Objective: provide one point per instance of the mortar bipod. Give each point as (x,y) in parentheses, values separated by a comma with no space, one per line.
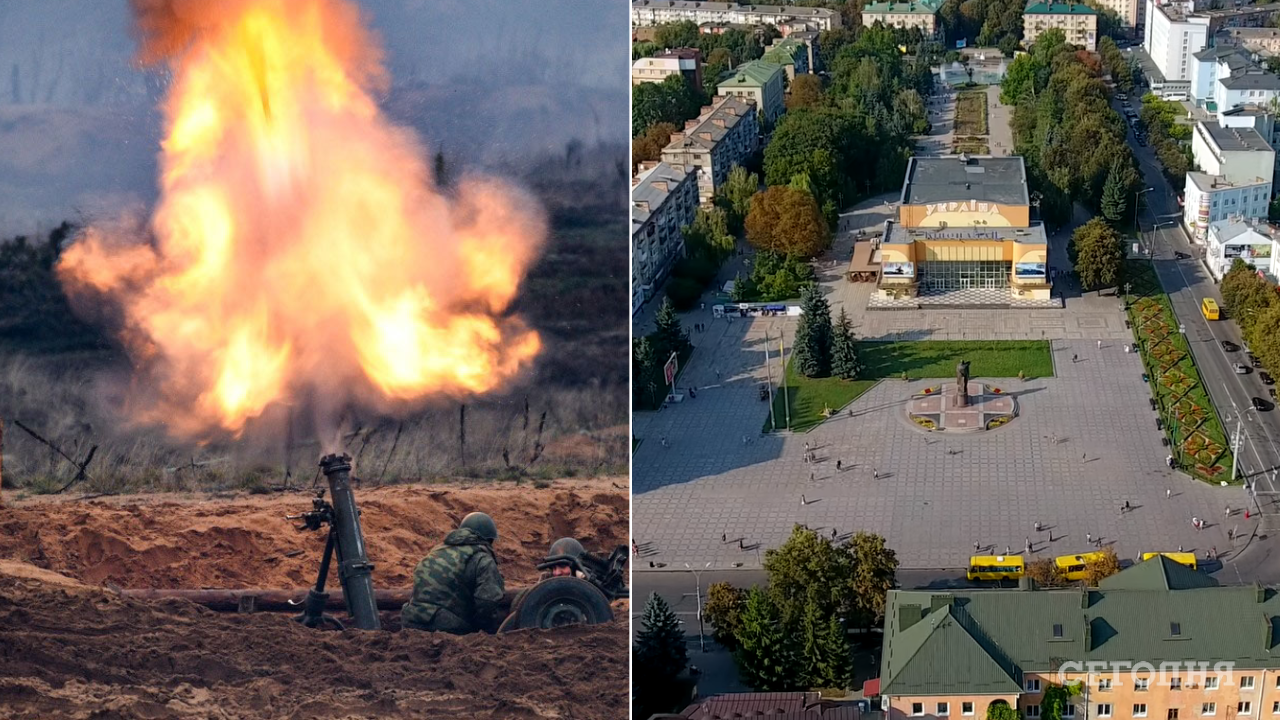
(313,614)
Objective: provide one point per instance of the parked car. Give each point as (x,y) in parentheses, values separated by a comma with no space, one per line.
(1266,378)
(1241,368)
(1179,255)
(1229,346)
(1122,96)
(1260,404)
(1253,360)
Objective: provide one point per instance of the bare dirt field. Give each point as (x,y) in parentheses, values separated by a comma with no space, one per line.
(72,649)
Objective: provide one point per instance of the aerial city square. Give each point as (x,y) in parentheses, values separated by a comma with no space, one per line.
(954,334)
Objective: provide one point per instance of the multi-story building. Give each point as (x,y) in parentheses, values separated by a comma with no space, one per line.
(677,61)
(1226,77)
(1257,39)
(1157,640)
(921,14)
(1077,21)
(810,40)
(1250,86)
(760,81)
(1172,35)
(1211,63)
(725,134)
(964,224)
(1238,166)
(1129,12)
(664,199)
(656,12)
(791,54)
(1251,241)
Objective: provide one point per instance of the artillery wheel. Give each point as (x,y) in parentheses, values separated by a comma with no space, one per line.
(557,602)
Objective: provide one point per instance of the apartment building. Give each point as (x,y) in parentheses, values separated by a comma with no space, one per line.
(677,61)
(921,14)
(1250,241)
(1211,63)
(1129,12)
(1256,39)
(791,54)
(1172,36)
(760,81)
(1237,169)
(664,199)
(656,12)
(1077,21)
(725,134)
(953,654)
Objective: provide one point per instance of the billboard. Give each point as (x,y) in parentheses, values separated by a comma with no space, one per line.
(961,43)
(1029,270)
(899,269)
(1246,251)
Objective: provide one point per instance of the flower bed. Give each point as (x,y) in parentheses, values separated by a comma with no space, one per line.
(925,423)
(997,422)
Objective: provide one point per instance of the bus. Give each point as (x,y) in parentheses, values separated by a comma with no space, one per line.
(1072,567)
(996,567)
(1182,558)
(1209,308)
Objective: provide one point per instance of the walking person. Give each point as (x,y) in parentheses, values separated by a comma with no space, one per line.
(803,501)
(1088,538)
(1227,512)
(811,476)
(1074,358)
(724,537)
(976,546)
(1038,526)
(1099,344)
(1168,492)
(833,533)
(875,474)
(839,464)
(635,549)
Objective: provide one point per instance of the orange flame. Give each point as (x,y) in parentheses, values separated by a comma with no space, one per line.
(300,242)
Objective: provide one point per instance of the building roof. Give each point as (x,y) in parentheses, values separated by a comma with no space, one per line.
(715,122)
(775,706)
(648,193)
(1251,80)
(1053,8)
(1217,52)
(896,233)
(784,51)
(1233,139)
(1241,231)
(986,178)
(909,7)
(756,73)
(1205,182)
(1153,611)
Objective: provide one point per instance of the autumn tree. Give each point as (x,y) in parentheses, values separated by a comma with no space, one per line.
(1045,573)
(1105,566)
(806,92)
(648,145)
(723,609)
(787,221)
(1247,296)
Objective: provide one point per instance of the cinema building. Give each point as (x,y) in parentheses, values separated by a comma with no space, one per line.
(964,237)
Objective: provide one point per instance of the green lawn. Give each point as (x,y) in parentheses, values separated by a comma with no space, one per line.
(938,358)
(808,397)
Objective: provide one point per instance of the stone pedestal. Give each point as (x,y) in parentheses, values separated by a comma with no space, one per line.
(939,408)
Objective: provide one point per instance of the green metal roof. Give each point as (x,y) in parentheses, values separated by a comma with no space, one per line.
(916,7)
(785,52)
(1052,8)
(756,73)
(979,641)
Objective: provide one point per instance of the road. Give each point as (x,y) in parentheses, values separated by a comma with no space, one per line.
(1188,281)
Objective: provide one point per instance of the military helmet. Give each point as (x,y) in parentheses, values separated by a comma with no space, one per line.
(565,548)
(481,524)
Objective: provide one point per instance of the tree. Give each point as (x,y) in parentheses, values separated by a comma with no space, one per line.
(708,238)
(1104,567)
(673,100)
(676,34)
(844,349)
(1247,296)
(1273,210)
(766,655)
(825,654)
(723,609)
(1266,338)
(1054,702)
(809,570)
(806,91)
(1045,573)
(1115,195)
(660,653)
(734,196)
(646,373)
(1002,711)
(648,145)
(875,567)
(1019,78)
(812,353)
(1098,252)
(668,336)
(787,221)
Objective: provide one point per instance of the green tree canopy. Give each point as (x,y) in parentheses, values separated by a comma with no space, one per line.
(766,654)
(812,354)
(1002,711)
(1098,252)
(735,194)
(844,349)
(723,609)
(787,221)
(806,92)
(669,336)
(673,100)
(660,653)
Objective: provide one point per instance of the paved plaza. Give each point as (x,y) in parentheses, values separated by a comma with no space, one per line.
(936,494)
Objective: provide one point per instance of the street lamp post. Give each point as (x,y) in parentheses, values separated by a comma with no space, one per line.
(697,579)
(1137,195)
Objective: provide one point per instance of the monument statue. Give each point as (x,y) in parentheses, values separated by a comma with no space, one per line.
(962,384)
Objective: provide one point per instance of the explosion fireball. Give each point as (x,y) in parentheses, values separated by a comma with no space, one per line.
(300,244)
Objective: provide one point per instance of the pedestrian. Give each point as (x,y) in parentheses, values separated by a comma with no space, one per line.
(839,464)
(1127,506)
(1231,534)
(803,501)
(635,549)
(1037,526)
(1088,538)
(1168,492)
(1008,550)
(724,537)
(717,373)
(811,473)
(1074,358)
(1028,546)
(1083,456)
(976,546)
(833,533)
(1246,514)
(1055,439)
(875,474)
(744,441)
(1180,548)
(1227,511)
(1213,553)
(664,442)
(1195,522)
(1099,344)
(740,545)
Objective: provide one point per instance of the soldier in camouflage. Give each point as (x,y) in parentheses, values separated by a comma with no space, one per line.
(457,587)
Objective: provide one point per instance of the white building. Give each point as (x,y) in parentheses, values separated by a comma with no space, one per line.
(657,12)
(1251,86)
(1211,63)
(1238,168)
(664,199)
(1171,37)
(1252,242)
(725,134)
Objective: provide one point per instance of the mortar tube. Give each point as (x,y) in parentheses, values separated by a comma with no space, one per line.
(354,568)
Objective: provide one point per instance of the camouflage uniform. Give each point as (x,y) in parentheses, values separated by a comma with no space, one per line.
(456,588)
